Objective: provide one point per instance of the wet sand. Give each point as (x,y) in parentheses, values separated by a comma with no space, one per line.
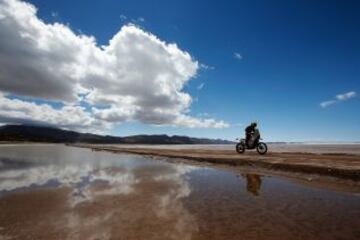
(58,192)
(335,164)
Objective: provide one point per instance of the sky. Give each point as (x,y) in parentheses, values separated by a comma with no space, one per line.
(197,68)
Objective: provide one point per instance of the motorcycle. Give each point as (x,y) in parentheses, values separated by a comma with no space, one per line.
(254,143)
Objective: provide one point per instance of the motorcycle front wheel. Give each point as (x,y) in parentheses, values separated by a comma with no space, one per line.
(240,148)
(261,148)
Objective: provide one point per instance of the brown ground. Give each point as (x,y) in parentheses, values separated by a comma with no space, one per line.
(340,165)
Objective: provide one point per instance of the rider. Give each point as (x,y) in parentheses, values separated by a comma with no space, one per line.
(249,130)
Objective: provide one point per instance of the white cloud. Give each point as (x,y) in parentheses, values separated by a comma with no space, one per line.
(238,56)
(137,21)
(135,77)
(191,122)
(200,86)
(327,103)
(338,98)
(38,59)
(346,96)
(54,14)
(204,114)
(123,17)
(68,116)
(206,67)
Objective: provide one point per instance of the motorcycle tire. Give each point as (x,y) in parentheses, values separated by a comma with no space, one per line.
(262,148)
(240,148)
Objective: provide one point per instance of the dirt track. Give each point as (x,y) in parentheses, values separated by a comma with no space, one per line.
(340,165)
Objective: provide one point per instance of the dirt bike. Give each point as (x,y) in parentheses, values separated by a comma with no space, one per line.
(254,143)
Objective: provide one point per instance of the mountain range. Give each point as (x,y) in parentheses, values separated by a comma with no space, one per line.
(29,133)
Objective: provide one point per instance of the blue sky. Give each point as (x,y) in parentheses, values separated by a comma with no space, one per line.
(270,61)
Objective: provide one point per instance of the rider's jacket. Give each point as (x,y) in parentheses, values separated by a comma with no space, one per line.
(249,129)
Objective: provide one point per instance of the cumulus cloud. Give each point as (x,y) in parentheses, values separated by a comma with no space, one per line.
(135,77)
(187,121)
(68,116)
(338,98)
(37,59)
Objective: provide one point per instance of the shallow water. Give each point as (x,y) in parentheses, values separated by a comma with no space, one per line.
(59,192)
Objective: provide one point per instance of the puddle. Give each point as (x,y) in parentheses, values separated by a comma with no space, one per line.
(59,192)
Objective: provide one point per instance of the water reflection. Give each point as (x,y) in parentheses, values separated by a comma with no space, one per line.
(95,192)
(57,192)
(253,183)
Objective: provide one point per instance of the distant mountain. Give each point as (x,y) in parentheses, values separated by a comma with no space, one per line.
(55,135)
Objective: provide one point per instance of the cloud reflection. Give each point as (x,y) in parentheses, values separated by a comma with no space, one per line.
(106,200)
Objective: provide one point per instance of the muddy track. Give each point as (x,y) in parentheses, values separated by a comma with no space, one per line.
(346,166)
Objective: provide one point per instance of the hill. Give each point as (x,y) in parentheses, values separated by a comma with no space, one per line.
(29,133)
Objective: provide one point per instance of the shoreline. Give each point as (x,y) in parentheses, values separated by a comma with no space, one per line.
(339,165)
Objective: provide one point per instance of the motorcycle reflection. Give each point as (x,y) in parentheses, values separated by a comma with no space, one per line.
(253,183)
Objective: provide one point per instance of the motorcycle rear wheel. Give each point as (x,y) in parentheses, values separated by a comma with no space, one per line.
(262,148)
(240,148)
